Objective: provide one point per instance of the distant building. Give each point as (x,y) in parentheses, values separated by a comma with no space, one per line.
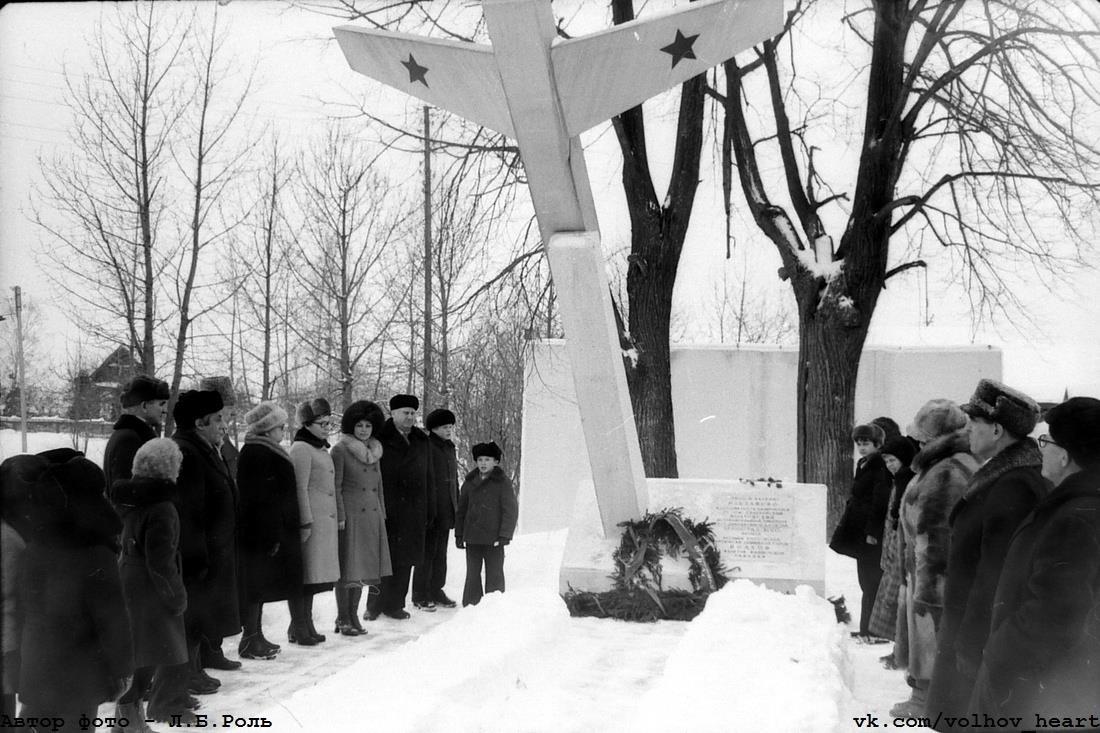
(96,394)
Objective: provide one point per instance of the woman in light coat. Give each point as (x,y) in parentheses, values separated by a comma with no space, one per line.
(360,511)
(316,479)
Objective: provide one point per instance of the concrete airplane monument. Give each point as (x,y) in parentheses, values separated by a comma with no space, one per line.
(544,91)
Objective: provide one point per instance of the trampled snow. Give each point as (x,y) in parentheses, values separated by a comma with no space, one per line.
(753,660)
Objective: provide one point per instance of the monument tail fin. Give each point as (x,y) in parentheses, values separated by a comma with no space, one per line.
(456,76)
(606,73)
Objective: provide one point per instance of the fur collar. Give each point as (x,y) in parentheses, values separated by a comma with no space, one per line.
(940,448)
(127,421)
(309,438)
(1021,454)
(143,491)
(369,452)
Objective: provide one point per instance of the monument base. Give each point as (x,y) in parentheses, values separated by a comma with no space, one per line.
(770,533)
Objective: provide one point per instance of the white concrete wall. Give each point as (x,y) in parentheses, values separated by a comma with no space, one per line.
(734,411)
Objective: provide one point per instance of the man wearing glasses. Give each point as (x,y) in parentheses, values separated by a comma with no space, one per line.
(1000,495)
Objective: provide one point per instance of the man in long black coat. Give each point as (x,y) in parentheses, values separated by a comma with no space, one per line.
(1001,493)
(144,407)
(208,532)
(431,575)
(1041,657)
(406,484)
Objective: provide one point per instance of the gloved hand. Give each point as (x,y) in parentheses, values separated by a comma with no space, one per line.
(502,541)
(459,543)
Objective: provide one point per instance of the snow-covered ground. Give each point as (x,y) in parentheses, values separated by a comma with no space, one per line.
(753,660)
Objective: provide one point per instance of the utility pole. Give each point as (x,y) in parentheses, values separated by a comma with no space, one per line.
(20,366)
(427,397)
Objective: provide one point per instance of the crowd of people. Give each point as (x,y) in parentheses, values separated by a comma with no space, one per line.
(121,582)
(977,550)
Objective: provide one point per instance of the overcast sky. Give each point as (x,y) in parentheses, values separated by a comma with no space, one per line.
(299,67)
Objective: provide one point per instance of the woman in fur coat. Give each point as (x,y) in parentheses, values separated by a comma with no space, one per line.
(77,651)
(152,579)
(360,511)
(943,469)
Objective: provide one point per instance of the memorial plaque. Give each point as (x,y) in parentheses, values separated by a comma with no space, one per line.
(756,528)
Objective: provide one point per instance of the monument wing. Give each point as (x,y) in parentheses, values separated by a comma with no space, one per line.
(606,73)
(456,76)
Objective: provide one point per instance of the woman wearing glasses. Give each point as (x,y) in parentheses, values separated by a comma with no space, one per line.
(316,479)
(1042,657)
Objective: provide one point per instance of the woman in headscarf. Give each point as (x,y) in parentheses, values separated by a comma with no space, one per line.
(897,453)
(271,547)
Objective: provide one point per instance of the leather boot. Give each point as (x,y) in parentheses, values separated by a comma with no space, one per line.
(354,594)
(298,631)
(308,619)
(343,626)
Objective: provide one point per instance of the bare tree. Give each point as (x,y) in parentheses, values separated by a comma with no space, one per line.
(102,207)
(350,223)
(214,164)
(975,125)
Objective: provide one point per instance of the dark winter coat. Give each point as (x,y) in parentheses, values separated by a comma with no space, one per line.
(76,630)
(271,547)
(445,473)
(1043,652)
(1000,495)
(152,577)
(487,508)
(407,481)
(865,511)
(11,625)
(944,468)
(130,433)
(206,502)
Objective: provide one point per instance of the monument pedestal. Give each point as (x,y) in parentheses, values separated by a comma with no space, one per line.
(772,534)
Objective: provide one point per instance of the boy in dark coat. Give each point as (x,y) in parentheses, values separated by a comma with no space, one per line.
(1042,657)
(407,482)
(859,532)
(485,522)
(144,407)
(1001,493)
(76,645)
(208,533)
(431,574)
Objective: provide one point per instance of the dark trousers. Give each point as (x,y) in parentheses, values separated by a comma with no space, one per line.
(394,588)
(431,574)
(869,572)
(493,559)
(169,691)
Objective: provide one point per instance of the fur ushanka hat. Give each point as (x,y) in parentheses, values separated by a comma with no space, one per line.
(1013,410)
(490,449)
(870,432)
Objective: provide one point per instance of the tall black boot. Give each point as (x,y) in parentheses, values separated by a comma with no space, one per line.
(343,626)
(355,592)
(309,619)
(298,631)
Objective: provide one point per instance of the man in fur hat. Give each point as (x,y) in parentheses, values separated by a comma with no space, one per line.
(431,575)
(144,407)
(999,496)
(208,535)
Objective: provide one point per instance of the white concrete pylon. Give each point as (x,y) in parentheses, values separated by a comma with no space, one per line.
(544,91)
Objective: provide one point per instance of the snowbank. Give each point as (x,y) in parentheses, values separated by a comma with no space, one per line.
(755,660)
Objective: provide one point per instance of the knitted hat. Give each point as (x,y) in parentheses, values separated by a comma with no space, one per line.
(899,447)
(222,386)
(439,418)
(194,404)
(313,410)
(158,458)
(1013,410)
(937,417)
(359,411)
(870,432)
(264,417)
(404,400)
(1075,425)
(490,449)
(143,388)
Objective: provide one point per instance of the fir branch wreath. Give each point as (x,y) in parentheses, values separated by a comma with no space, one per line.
(638,593)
